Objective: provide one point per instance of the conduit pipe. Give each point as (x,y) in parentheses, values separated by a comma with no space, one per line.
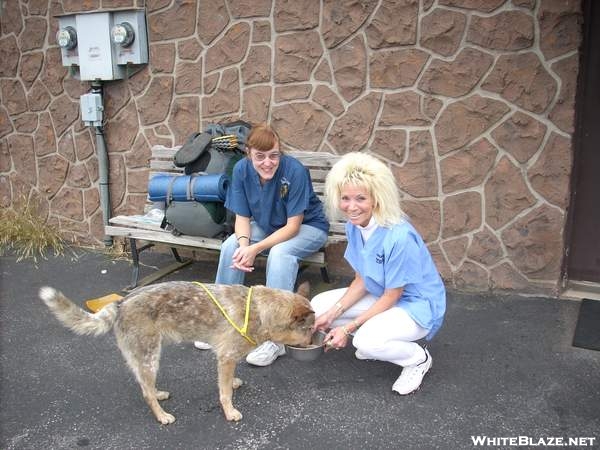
(103,167)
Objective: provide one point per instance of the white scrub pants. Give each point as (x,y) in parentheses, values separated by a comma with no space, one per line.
(388,336)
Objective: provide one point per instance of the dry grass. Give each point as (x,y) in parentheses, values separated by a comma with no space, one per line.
(26,232)
(117,251)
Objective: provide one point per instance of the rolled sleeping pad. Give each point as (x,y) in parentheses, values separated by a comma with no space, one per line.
(210,187)
(200,188)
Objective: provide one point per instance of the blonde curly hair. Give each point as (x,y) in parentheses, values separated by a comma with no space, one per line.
(369,173)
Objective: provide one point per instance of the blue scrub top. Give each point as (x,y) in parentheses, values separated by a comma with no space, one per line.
(397,257)
(289,193)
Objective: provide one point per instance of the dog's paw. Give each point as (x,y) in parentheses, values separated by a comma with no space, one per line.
(237,383)
(165,418)
(233,415)
(47,294)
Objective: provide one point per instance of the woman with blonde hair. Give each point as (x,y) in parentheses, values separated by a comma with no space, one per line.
(277,214)
(397,296)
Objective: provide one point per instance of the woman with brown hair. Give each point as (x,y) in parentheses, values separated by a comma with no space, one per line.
(277,213)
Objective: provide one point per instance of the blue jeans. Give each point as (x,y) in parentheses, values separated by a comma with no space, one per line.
(282,259)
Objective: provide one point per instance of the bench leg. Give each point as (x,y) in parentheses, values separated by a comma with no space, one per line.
(176,255)
(303,267)
(325,275)
(135,256)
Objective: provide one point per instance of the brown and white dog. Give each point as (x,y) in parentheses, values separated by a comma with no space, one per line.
(179,311)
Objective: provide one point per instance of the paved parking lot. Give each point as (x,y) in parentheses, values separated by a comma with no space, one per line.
(503,367)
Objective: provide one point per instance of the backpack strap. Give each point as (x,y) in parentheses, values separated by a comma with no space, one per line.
(169,195)
(168,200)
(189,192)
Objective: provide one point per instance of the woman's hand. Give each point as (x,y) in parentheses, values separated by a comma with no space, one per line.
(243,258)
(336,339)
(324,321)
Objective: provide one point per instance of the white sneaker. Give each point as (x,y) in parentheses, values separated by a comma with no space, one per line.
(411,377)
(202,345)
(360,355)
(265,354)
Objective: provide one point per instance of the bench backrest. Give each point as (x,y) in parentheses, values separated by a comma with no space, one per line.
(318,164)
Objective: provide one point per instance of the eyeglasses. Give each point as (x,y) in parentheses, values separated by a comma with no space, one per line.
(258,156)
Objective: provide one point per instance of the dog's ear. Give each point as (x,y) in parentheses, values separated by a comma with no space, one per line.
(301,311)
(304,289)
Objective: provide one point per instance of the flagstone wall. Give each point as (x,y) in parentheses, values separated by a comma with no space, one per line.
(470,102)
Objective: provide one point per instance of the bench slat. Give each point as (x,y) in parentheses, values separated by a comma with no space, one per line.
(166,166)
(318,174)
(164,237)
(317,159)
(338,228)
(136,222)
(160,151)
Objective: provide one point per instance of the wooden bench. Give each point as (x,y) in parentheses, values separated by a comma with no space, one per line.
(147,231)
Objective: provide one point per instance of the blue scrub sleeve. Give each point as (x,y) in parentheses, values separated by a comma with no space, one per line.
(236,200)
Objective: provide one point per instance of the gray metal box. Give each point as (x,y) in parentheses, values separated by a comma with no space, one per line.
(91,109)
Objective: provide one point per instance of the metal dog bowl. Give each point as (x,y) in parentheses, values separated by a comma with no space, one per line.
(310,352)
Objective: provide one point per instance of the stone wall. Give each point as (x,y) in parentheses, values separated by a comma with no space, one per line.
(471,102)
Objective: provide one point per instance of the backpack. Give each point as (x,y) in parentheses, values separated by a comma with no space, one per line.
(194,201)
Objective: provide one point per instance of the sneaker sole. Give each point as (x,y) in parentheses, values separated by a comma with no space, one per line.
(262,363)
(408,393)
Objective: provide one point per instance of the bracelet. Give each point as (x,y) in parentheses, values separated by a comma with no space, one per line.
(356,325)
(241,237)
(345,330)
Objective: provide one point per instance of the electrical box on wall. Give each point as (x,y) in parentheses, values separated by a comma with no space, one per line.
(103,44)
(137,50)
(67,40)
(91,109)
(96,60)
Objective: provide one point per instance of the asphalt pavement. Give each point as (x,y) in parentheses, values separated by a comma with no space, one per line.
(504,371)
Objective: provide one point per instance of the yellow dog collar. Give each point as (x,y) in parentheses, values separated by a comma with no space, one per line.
(244,330)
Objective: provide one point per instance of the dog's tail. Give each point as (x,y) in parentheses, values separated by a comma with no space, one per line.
(75,318)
